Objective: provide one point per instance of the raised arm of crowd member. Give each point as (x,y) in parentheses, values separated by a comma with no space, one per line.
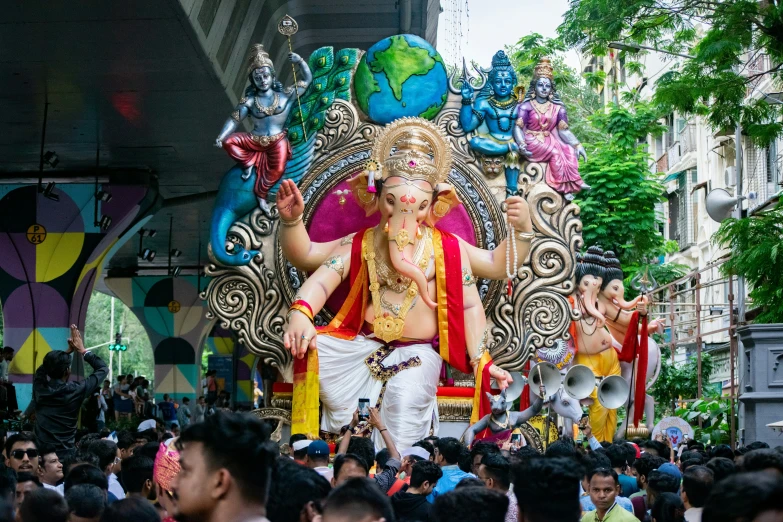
(375,420)
(594,444)
(85,387)
(342,449)
(100,370)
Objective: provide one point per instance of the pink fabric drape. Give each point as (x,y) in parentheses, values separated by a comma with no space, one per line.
(543,140)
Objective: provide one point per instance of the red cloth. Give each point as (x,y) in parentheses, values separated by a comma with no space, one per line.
(269,160)
(455,391)
(635,345)
(349,320)
(457,356)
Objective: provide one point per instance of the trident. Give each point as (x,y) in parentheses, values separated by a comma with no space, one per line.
(465,77)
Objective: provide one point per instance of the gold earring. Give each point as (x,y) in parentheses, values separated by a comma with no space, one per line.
(386,228)
(418,233)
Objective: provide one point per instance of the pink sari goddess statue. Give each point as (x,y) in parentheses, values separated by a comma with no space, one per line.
(542,134)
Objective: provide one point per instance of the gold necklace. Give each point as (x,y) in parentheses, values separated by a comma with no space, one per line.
(501,425)
(386,305)
(499,104)
(387,327)
(541,108)
(397,282)
(267,110)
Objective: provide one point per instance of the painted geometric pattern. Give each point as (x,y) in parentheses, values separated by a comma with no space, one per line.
(174,317)
(51,253)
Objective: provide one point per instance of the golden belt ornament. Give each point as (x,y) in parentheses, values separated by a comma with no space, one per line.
(265,141)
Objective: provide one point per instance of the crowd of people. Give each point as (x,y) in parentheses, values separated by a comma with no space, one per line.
(227,469)
(224,467)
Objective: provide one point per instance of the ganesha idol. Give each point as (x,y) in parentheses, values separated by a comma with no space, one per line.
(612,339)
(413,302)
(621,322)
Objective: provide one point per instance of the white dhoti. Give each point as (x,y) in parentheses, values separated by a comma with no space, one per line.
(409,405)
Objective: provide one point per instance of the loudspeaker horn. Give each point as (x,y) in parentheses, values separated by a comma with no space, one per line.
(579,382)
(547,373)
(720,204)
(613,392)
(514,391)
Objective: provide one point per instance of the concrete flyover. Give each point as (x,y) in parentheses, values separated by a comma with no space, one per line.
(96,94)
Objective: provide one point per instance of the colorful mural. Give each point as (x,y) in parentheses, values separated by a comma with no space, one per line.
(222,342)
(53,251)
(173,315)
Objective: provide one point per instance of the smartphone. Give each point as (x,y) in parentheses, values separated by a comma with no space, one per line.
(516,440)
(364,409)
(583,421)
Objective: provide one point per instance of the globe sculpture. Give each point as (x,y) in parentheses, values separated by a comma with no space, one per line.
(401,76)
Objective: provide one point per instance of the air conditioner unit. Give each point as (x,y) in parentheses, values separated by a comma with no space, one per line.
(730,176)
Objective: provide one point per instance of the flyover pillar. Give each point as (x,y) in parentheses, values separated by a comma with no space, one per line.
(53,246)
(174,317)
(224,343)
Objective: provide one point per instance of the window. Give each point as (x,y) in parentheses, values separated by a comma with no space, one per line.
(774,165)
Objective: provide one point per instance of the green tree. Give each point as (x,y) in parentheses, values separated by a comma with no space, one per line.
(756,244)
(715,416)
(727,56)
(676,382)
(138,359)
(618,213)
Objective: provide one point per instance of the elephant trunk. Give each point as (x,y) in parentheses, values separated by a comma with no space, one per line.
(589,304)
(627,305)
(401,255)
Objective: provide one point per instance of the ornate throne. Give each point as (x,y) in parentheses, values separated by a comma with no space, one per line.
(252,300)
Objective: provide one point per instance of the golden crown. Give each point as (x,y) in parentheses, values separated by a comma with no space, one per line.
(258,58)
(544,69)
(414,149)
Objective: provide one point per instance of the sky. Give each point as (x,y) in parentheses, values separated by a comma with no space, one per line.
(490,25)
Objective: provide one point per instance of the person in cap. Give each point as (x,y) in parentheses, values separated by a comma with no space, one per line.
(299,449)
(318,458)
(410,457)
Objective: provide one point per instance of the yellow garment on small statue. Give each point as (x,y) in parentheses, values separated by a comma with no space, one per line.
(604,364)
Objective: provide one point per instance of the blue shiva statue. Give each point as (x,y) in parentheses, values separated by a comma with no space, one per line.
(490,116)
(282,143)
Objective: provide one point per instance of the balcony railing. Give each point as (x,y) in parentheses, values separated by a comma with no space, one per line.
(674,154)
(688,139)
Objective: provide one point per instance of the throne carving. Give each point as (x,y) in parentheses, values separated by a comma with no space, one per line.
(252,300)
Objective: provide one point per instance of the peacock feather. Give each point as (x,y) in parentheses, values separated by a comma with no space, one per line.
(332,77)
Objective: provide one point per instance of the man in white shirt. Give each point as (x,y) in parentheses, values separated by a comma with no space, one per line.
(697,482)
(198,410)
(50,469)
(102,409)
(318,458)
(109,460)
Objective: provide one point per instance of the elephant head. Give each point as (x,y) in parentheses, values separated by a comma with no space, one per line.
(405,182)
(612,287)
(590,273)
